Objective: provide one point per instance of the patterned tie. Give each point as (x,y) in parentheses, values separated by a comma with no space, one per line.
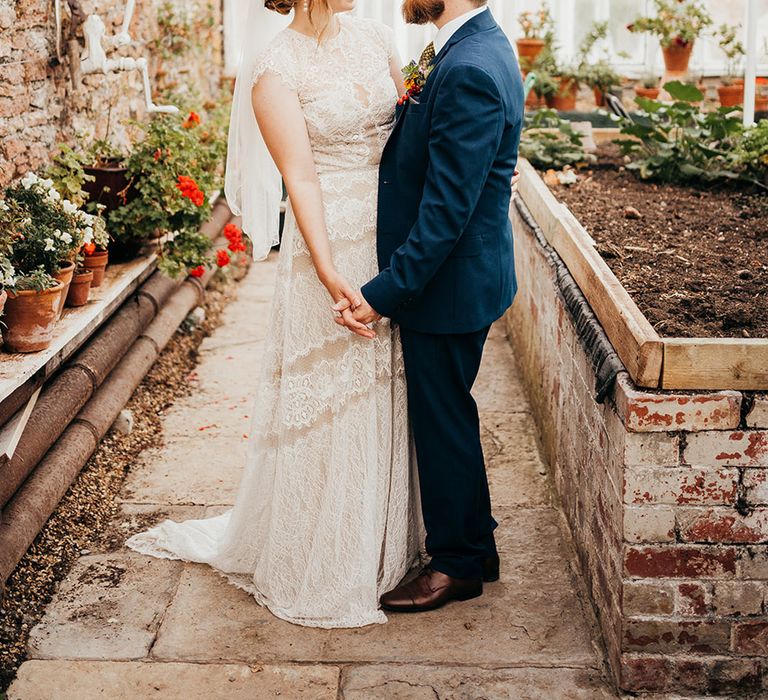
(428,55)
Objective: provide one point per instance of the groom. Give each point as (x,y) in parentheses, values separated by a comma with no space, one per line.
(447,273)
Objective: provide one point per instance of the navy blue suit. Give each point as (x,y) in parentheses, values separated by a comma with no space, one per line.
(447,270)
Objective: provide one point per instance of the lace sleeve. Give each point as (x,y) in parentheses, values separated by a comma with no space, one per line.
(279,60)
(386,38)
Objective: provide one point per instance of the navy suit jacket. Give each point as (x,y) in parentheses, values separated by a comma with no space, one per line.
(444,240)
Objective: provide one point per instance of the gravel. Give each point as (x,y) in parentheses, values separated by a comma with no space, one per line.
(84,515)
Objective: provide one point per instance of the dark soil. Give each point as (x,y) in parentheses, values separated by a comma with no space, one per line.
(695,261)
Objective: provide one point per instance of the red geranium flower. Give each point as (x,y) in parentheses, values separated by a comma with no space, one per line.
(199,271)
(189,189)
(222,258)
(193,119)
(89,248)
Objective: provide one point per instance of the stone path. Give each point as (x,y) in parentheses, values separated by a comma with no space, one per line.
(127,626)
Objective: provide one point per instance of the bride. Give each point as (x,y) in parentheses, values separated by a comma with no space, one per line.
(327,516)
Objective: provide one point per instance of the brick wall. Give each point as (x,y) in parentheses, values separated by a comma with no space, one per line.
(39,105)
(667,497)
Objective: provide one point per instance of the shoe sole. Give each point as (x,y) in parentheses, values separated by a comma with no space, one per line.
(428,608)
(491,579)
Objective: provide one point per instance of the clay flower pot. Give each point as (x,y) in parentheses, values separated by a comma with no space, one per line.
(731,95)
(98,263)
(649,93)
(564,100)
(761,103)
(30,317)
(80,288)
(528,51)
(64,275)
(677,57)
(111,180)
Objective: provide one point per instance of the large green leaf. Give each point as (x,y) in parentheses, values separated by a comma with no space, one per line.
(684,92)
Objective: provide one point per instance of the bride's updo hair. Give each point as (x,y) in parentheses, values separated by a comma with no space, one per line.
(282,6)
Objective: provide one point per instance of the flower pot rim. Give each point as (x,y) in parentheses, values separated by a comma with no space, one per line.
(107,168)
(34,292)
(82,272)
(523,40)
(97,254)
(67,264)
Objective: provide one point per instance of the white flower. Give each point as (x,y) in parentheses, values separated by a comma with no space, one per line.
(47,183)
(57,233)
(67,238)
(49,245)
(53,195)
(88,235)
(29,179)
(4,206)
(68,206)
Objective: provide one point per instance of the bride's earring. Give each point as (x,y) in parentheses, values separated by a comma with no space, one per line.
(306,6)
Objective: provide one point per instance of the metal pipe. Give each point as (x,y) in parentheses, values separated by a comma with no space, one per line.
(750,74)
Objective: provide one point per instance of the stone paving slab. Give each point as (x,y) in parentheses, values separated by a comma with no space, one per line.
(514,622)
(89,680)
(410,682)
(109,607)
(199,470)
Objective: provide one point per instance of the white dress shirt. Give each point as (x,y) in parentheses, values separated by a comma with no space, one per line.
(450,28)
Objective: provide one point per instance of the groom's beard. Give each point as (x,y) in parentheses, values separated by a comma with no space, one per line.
(422,11)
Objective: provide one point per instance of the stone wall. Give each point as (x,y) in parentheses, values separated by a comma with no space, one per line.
(39,104)
(666,494)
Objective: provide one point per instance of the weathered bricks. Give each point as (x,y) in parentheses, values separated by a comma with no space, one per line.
(667,497)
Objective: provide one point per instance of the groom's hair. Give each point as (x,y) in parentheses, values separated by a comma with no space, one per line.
(425,11)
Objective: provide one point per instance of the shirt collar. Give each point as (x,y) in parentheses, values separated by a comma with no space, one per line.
(449,29)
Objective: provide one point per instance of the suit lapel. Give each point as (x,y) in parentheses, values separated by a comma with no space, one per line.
(479,23)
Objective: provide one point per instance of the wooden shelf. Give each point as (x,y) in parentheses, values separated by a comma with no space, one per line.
(76,325)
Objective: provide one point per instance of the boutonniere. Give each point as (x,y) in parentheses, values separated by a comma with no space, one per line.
(415,79)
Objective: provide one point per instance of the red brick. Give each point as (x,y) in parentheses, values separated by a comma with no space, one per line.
(640,673)
(738,598)
(724,525)
(677,636)
(751,638)
(649,524)
(718,676)
(677,561)
(756,485)
(758,414)
(680,486)
(742,448)
(645,411)
(754,563)
(692,600)
(643,598)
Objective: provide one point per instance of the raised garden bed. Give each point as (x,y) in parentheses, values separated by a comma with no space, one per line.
(631,294)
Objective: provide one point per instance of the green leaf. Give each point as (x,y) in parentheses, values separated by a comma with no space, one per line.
(684,92)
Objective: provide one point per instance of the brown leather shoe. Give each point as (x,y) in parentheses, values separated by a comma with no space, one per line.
(428,591)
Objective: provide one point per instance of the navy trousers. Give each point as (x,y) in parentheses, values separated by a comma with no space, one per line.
(456,503)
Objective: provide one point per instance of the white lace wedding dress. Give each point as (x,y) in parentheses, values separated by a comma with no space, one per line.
(327,516)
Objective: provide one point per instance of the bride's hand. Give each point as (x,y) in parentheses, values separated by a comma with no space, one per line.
(341,290)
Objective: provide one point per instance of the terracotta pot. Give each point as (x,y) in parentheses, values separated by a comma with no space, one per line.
(80,288)
(534,101)
(731,95)
(599,97)
(677,57)
(564,100)
(528,51)
(30,318)
(111,181)
(64,275)
(98,263)
(761,103)
(649,93)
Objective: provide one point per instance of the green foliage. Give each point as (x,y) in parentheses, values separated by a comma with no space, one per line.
(182,30)
(537,25)
(38,279)
(675,22)
(679,141)
(46,232)
(68,175)
(551,142)
(598,74)
(732,47)
(185,252)
(752,152)
(102,153)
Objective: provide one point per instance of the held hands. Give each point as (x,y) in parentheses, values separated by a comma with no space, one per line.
(348,303)
(361,314)
(515,181)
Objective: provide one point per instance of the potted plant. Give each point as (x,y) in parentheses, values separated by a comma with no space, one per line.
(600,74)
(761,95)
(731,89)
(94,252)
(108,182)
(44,234)
(677,23)
(567,80)
(538,30)
(7,237)
(80,289)
(649,87)
(49,236)
(173,166)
